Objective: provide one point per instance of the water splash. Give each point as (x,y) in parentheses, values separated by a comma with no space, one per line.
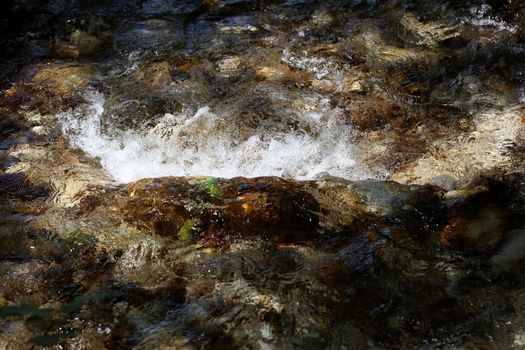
(201,144)
(482,18)
(318,66)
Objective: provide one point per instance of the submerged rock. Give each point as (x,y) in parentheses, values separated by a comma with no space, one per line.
(63,79)
(372,113)
(229,66)
(428,33)
(280,73)
(480,231)
(80,44)
(466,156)
(325,86)
(154,76)
(217,208)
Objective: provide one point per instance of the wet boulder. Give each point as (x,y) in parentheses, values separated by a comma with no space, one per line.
(148,78)
(80,44)
(286,211)
(270,206)
(478,231)
(281,73)
(229,66)
(175,207)
(478,217)
(429,33)
(62,79)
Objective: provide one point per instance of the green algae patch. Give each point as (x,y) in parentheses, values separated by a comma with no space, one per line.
(76,238)
(211,185)
(186,231)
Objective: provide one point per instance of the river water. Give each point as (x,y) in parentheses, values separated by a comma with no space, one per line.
(245,174)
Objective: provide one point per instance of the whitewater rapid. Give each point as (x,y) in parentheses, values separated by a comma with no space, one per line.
(197,145)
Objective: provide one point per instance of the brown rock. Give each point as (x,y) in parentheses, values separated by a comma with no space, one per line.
(154,76)
(211,210)
(328,49)
(263,207)
(352,84)
(80,44)
(152,205)
(479,231)
(157,75)
(63,79)
(274,73)
(372,113)
(280,73)
(229,66)
(268,205)
(324,85)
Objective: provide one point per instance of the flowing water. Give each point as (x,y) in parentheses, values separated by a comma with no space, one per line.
(217,174)
(201,145)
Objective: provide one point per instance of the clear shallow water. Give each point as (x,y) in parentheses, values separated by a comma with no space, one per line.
(433,85)
(202,144)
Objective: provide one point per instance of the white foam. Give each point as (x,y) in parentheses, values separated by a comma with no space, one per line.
(198,145)
(483,19)
(318,66)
